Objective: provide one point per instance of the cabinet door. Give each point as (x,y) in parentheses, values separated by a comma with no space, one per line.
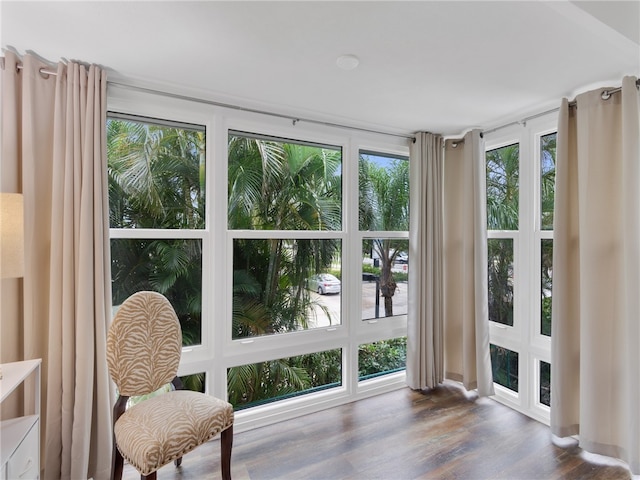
(25,462)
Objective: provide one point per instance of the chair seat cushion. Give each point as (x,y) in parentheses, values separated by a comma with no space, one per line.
(164,428)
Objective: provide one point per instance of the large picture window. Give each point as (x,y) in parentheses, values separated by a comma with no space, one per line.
(284,250)
(520,169)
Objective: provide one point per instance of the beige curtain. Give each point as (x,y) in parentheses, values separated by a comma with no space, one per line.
(425,356)
(53,128)
(466,326)
(595,368)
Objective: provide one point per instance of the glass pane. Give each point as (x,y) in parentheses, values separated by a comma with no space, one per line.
(266,382)
(172,267)
(385,277)
(503,187)
(383,192)
(504,365)
(383,357)
(545,383)
(278,185)
(194,382)
(500,269)
(546,257)
(285,285)
(156,175)
(547,179)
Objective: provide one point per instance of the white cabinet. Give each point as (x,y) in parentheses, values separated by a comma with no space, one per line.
(20,437)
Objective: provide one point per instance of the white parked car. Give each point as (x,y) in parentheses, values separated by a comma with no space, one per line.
(323,283)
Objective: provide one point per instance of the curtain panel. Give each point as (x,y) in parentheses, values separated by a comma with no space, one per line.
(466,330)
(595,379)
(448,323)
(425,354)
(53,135)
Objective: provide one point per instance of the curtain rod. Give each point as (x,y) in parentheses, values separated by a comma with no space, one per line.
(42,70)
(295,120)
(606,94)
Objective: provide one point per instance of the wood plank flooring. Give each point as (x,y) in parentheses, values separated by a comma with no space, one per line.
(444,433)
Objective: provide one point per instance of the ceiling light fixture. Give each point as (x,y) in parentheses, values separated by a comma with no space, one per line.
(347,62)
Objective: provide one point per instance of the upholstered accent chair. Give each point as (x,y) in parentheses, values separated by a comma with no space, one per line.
(144,344)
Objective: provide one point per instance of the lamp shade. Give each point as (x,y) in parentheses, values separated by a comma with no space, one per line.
(11,235)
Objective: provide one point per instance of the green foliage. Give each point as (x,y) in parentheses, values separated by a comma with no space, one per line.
(384,356)
(503,187)
(545,328)
(548,178)
(253,384)
(384,195)
(156,175)
(283,186)
(157,181)
(194,382)
(500,271)
(280,186)
(545,383)
(384,206)
(502,166)
(504,366)
(546,255)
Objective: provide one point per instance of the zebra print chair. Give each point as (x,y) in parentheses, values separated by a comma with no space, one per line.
(143,352)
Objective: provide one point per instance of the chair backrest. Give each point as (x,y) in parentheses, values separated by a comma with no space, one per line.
(144,344)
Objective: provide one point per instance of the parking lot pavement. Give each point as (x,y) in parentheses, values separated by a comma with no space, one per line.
(332,304)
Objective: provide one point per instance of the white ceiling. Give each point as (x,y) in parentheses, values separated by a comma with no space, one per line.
(440,66)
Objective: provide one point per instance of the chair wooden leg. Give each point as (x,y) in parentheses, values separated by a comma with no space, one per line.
(177,462)
(151,476)
(117,464)
(226,443)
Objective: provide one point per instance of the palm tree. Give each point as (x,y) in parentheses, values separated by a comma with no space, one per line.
(280,186)
(548,178)
(156,180)
(547,196)
(156,176)
(502,166)
(503,187)
(384,206)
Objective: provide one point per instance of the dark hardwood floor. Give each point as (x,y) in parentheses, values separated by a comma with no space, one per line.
(441,434)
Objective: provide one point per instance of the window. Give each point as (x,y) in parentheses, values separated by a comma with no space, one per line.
(156,213)
(545,383)
(383,219)
(500,271)
(380,358)
(504,366)
(266,382)
(279,284)
(520,175)
(251,226)
(547,155)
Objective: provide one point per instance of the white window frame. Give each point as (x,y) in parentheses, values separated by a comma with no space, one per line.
(525,337)
(218,351)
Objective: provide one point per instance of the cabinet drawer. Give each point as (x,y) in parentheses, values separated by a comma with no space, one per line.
(24,464)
